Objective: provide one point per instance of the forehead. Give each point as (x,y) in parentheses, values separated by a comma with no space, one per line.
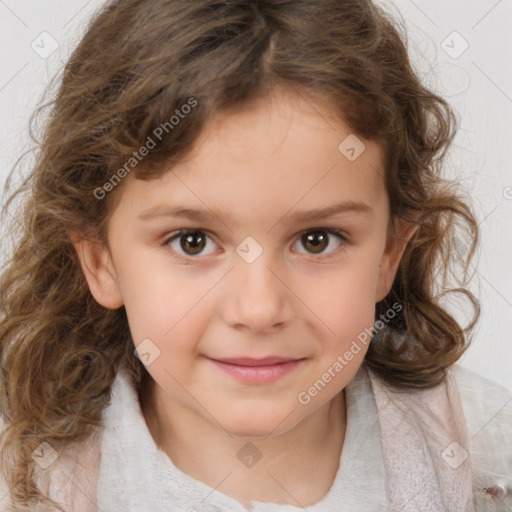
(284,151)
(306,123)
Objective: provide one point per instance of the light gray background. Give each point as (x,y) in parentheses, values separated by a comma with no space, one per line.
(477,82)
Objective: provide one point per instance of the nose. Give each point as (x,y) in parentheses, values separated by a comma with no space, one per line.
(258,299)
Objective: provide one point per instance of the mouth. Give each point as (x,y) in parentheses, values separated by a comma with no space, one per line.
(257,371)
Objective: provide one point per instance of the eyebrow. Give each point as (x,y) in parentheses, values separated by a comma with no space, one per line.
(297,217)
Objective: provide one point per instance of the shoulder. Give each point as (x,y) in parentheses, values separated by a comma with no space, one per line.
(487,404)
(487,408)
(78,463)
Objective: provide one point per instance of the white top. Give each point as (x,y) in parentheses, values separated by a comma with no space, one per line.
(133,475)
(148,480)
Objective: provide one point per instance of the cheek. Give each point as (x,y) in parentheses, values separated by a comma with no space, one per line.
(170,331)
(160,302)
(341,312)
(343,297)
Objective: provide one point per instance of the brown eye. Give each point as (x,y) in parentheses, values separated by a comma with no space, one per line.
(316,241)
(191,242)
(194,241)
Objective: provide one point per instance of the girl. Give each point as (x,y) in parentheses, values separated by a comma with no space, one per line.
(227,292)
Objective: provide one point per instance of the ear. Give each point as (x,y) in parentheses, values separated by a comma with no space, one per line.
(403,232)
(97,266)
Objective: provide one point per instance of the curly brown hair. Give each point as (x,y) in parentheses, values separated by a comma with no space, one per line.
(139,61)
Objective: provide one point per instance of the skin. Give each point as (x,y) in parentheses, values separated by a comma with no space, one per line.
(262,164)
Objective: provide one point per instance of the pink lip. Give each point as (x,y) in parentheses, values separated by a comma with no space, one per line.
(257,371)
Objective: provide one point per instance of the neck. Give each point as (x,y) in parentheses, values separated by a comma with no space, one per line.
(206,452)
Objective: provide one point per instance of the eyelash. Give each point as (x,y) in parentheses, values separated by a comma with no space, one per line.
(332,231)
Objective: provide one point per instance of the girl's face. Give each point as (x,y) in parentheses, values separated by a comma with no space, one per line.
(247,307)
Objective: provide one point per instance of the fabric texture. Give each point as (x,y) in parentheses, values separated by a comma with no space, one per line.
(447,448)
(159,482)
(426,445)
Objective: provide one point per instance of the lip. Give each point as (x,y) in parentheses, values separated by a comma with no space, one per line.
(253,361)
(257,371)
